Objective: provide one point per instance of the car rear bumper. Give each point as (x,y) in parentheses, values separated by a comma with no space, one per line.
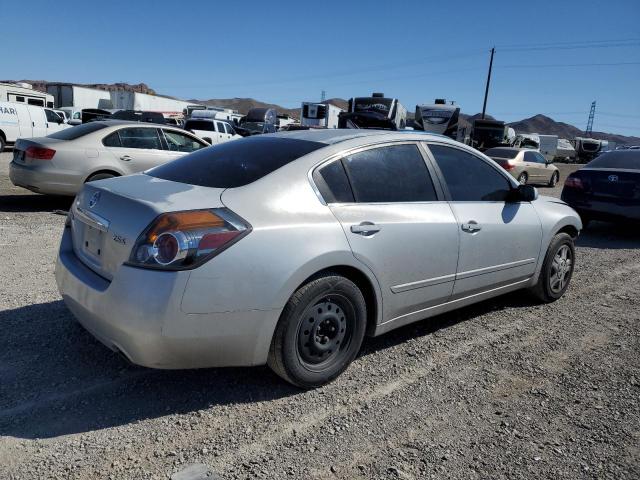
(138,314)
(43,180)
(615,209)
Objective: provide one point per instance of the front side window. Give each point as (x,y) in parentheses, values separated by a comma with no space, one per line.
(137,137)
(179,142)
(540,158)
(229,129)
(395,173)
(220,127)
(469,178)
(51,116)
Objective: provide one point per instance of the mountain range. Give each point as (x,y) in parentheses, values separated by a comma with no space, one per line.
(539,123)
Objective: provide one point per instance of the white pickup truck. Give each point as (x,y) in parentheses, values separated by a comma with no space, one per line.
(18,120)
(211,130)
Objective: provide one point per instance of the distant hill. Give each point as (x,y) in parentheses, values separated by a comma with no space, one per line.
(41,85)
(243,105)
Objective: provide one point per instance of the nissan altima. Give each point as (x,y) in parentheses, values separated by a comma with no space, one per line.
(287,249)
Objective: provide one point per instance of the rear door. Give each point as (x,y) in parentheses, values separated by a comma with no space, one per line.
(397,223)
(136,148)
(534,168)
(499,240)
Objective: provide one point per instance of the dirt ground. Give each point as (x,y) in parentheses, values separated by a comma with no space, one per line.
(504,389)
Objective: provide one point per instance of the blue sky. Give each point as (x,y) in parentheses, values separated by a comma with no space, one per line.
(289,51)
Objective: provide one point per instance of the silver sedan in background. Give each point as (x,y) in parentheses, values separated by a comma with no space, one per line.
(288,248)
(61,163)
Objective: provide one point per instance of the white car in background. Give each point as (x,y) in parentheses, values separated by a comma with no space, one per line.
(19,120)
(61,163)
(212,130)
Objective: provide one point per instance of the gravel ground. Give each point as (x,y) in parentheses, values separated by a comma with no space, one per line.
(503,389)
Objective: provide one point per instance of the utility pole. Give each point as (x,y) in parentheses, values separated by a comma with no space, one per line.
(323,96)
(486,90)
(592,113)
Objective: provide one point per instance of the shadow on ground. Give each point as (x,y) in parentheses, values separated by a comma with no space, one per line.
(610,236)
(34,203)
(57,379)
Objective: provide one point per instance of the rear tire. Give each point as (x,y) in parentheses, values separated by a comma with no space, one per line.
(2,143)
(100,176)
(523,178)
(554,179)
(557,269)
(319,332)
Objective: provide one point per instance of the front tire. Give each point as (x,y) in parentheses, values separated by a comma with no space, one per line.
(557,269)
(319,332)
(554,179)
(522,178)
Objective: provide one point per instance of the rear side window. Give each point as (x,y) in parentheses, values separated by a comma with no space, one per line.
(234,164)
(333,184)
(112,140)
(396,173)
(469,178)
(78,131)
(144,138)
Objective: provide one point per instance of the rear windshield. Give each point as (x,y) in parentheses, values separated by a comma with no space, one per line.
(199,125)
(78,131)
(622,159)
(234,164)
(501,153)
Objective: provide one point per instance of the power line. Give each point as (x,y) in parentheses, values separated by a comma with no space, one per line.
(585,43)
(565,65)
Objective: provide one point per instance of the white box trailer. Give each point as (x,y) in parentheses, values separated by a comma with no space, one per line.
(320,115)
(24,93)
(125,100)
(547,145)
(20,120)
(78,98)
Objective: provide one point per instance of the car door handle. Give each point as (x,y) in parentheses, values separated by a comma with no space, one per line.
(365,228)
(471,227)
(125,158)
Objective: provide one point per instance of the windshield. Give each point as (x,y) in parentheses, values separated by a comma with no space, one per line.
(199,125)
(629,159)
(78,131)
(375,104)
(234,164)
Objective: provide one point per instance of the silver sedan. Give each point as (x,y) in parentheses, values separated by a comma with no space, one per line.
(61,163)
(288,248)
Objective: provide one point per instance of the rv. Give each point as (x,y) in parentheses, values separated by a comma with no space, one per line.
(376,111)
(547,145)
(565,151)
(20,120)
(216,113)
(438,118)
(487,134)
(24,93)
(586,148)
(284,121)
(319,115)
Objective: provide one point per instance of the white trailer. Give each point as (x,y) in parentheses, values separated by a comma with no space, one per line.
(320,115)
(24,93)
(125,100)
(78,98)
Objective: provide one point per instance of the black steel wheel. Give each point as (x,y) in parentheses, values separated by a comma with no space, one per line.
(319,332)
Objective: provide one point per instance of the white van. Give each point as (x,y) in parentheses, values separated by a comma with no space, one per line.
(18,120)
(211,130)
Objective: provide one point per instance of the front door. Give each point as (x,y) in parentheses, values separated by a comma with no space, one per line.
(397,225)
(500,240)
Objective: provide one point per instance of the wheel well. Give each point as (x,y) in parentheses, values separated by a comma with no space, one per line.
(3,135)
(569,230)
(363,283)
(110,172)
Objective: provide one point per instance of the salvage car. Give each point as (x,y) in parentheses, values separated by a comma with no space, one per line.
(607,188)
(526,165)
(61,163)
(288,248)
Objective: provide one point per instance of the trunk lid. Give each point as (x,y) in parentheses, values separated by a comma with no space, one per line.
(21,145)
(109,215)
(603,184)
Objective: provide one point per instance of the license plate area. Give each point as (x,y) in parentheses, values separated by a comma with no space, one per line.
(18,156)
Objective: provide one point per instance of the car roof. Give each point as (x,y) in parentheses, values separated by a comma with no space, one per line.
(331,136)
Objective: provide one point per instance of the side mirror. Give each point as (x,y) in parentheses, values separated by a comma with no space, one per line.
(525,193)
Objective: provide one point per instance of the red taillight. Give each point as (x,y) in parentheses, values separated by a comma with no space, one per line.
(574,182)
(506,164)
(40,153)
